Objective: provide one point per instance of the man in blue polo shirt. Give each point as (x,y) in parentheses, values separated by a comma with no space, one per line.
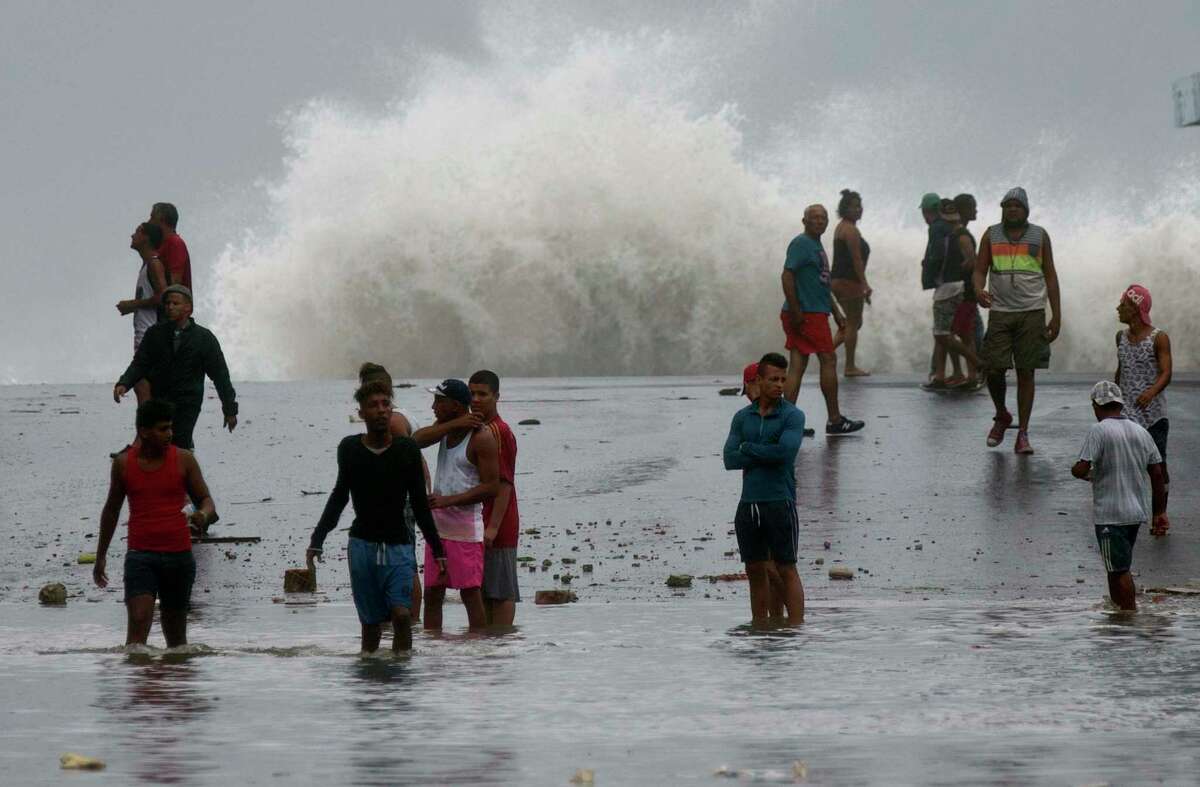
(763,440)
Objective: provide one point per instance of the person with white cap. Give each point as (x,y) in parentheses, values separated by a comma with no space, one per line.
(1144,370)
(1014,278)
(1123,465)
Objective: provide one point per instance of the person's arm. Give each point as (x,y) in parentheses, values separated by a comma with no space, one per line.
(1082,470)
(1162,353)
(206,511)
(108,518)
(143,361)
(154,270)
(499,509)
(333,507)
(983,263)
(487,462)
(967,249)
(793,299)
(1117,373)
(734,458)
(428,435)
(217,371)
(1158,490)
(1055,325)
(783,452)
(1090,452)
(415,484)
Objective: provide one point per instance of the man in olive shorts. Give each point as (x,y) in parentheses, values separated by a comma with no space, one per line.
(1014,277)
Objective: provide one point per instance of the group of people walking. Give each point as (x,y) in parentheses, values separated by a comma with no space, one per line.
(1012,275)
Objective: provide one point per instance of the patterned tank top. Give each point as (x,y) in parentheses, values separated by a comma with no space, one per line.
(1139,370)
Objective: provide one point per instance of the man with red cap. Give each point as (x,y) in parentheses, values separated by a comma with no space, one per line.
(1144,372)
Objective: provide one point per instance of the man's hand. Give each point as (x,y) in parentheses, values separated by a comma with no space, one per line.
(1144,400)
(119,391)
(489,536)
(1160,525)
(984,299)
(198,522)
(98,574)
(311,555)
(231,422)
(443,574)
(471,420)
(125,307)
(1053,328)
(440,501)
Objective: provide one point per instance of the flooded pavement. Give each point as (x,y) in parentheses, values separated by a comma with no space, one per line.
(973,644)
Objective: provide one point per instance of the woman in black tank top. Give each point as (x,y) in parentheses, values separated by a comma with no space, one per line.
(848,276)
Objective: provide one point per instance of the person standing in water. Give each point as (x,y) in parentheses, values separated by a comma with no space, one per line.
(158,478)
(848,278)
(147,297)
(1144,372)
(381,475)
(467,474)
(501,517)
(1014,278)
(763,440)
(808,304)
(1122,463)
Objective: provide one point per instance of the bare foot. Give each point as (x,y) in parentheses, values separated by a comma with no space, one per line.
(856,372)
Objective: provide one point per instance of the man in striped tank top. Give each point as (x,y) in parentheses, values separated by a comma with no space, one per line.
(1014,277)
(158,478)
(1143,373)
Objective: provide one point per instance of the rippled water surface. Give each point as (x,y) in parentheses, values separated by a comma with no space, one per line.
(986,656)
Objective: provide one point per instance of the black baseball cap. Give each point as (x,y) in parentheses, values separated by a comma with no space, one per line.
(453,389)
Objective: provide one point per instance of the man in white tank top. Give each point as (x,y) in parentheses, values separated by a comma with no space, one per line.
(151,282)
(468,472)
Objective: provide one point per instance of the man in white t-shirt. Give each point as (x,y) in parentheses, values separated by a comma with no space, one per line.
(1122,463)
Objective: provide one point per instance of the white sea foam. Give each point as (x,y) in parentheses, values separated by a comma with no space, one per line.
(591,215)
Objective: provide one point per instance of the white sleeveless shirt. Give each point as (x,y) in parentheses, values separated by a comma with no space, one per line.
(456,474)
(143,318)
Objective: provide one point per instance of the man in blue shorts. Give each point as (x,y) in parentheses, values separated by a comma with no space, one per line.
(380,473)
(763,440)
(1121,461)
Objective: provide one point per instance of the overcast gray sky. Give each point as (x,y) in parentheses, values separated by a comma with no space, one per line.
(112,106)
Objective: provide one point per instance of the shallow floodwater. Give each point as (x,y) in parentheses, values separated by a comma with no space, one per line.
(987,655)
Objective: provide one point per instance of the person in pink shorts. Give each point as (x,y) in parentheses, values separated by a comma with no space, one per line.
(468,473)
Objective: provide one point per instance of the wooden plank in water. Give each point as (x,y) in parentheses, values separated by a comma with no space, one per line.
(227,540)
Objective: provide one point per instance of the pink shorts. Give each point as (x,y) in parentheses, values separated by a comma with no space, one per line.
(464,565)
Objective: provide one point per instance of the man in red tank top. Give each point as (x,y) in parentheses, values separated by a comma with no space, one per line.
(501,519)
(158,478)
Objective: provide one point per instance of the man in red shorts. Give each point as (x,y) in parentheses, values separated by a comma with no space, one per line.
(805,317)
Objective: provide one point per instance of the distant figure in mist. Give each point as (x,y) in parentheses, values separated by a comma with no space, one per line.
(175,356)
(1144,372)
(808,303)
(848,279)
(1122,463)
(1014,277)
(402,424)
(147,294)
(763,440)
(932,266)
(467,473)
(173,252)
(382,475)
(158,478)
(948,296)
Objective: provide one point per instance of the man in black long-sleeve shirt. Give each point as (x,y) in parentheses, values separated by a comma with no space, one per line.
(175,356)
(379,473)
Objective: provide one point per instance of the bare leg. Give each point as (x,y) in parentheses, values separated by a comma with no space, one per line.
(796,367)
(174,626)
(775,589)
(963,346)
(853,307)
(1024,398)
(371,633)
(829,385)
(401,630)
(939,358)
(140,611)
(793,592)
(414,610)
(955,360)
(501,612)
(434,598)
(760,590)
(472,599)
(998,389)
(1122,591)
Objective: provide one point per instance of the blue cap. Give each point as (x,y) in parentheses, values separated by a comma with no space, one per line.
(453,389)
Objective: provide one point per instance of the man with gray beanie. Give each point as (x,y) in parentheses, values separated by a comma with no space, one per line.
(175,356)
(1014,277)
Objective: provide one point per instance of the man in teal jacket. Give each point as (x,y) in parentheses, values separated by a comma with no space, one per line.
(763,440)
